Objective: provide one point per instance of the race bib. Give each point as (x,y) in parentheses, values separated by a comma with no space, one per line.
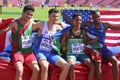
(46,45)
(26,41)
(77,48)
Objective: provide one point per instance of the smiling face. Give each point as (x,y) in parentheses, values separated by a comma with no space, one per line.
(77,20)
(27,15)
(27,12)
(96,17)
(53,17)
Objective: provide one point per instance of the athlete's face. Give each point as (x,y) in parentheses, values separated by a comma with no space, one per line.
(27,15)
(77,21)
(96,18)
(53,17)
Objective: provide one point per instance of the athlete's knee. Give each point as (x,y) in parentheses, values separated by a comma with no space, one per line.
(44,66)
(113,60)
(19,70)
(36,69)
(89,64)
(66,66)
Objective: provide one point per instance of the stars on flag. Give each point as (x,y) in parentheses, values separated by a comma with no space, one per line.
(86,14)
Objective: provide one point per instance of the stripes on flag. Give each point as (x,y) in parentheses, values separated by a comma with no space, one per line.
(112,36)
(110,16)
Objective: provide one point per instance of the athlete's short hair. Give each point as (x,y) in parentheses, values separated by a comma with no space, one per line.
(28,7)
(53,10)
(95,12)
(75,15)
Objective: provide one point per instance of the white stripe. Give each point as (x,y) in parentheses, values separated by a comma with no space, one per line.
(91,35)
(112,41)
(112,22)
(110,16)
(8,39)
(113,34)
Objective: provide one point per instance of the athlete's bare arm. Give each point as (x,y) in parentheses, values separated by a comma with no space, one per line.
(59,27)
(64,38)
(38,27)
(86,24)
(60,23)
(12,26)
(67,18)
(114,27)
(85,40)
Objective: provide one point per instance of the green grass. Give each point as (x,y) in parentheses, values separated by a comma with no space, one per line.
(40,14)
(15,12)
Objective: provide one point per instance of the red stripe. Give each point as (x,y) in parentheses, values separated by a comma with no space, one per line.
(113,31)
(110,12)
(110,19)
(112,38)
(112,45)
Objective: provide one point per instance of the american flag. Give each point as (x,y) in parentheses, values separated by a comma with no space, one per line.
(111,16)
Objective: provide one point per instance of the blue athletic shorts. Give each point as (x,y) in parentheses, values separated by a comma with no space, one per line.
(106,52)
(49,56)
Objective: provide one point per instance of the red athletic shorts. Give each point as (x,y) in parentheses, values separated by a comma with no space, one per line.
(96,56)
(24,58)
